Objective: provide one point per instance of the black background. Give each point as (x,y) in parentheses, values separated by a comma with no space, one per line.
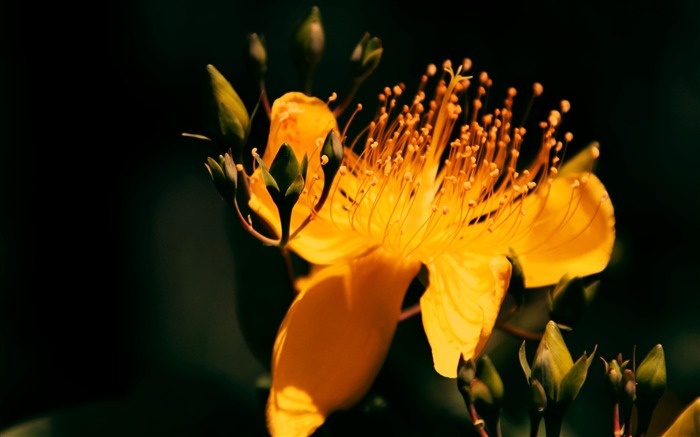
(117,309)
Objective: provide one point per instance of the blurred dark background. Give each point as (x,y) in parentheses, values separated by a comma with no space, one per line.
(119,263)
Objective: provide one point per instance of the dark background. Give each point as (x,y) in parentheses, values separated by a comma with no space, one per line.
(118,260)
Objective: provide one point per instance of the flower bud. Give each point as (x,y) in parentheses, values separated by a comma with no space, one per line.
(333,151)
(569,299)
(561,378)
(651,374)
(234,122)
(488,374)
(225,176)
(257,54)
(365,57)
(284,181)
(466,372)
(651,384)
(307,45)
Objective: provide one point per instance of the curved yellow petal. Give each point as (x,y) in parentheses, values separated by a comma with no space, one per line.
(460,306)
(301,121)
(574,234)
(334,339)
(321,241)
(298,120)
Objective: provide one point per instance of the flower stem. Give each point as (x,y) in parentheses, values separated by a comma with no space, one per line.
(263,97)
(617,432)
(409,312)
(476,421)
(518,332)
(348,98)
(552,425)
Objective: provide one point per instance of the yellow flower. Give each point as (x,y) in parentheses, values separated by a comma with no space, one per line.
(435,183)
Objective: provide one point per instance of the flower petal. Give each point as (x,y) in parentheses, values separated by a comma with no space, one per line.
(460,306)
(574,234)
(298,120)
(334,340)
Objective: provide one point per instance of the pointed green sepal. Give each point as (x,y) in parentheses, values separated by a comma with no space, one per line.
(287,172)
(285,182)
(574,379)
(234,121)
(365,57)
(268,179)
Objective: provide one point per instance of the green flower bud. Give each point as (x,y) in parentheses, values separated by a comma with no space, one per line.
(257,54)
(466,372)
(365,57)
(651,374)
(554,368)
(628,387)
(225,176)
(307,45)
(651,384)
(569,298)
(234,122)
(488,374)
(284,181)
(332,154)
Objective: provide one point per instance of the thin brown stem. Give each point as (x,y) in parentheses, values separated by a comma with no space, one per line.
(265,100)
(409,312)
(476,421)
(518,332)
(290,268)
(348,98)
(617,431)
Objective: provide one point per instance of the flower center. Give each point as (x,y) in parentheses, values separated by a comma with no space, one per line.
(442,171)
